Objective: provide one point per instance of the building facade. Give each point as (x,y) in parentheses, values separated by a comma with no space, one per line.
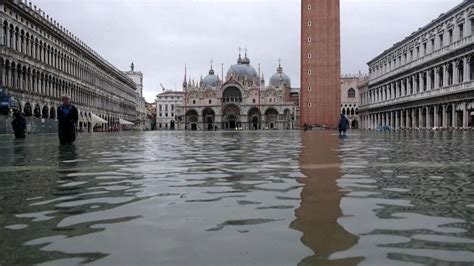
(425,80)
(40,61)
(167,104)
(350,99)
(240,101)
(320,63)
(137,77)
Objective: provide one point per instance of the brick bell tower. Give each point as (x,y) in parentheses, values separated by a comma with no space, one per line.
(320,93)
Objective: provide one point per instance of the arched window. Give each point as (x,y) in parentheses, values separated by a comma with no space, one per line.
(351,93)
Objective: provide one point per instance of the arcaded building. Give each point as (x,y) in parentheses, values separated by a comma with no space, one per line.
(425,80)
(320,63)
(350,99)
(40,61)
(241,100)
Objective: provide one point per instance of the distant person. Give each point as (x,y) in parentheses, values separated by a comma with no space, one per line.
(67,120)
(343,124)
(19,125)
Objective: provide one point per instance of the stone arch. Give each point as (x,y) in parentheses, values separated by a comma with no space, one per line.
(52,113)
(45,112)
(37,111)
(232,94)
(255,118)
(355,124)
(231,117)
(271,118)
(192,119)
(208,119)
(27,109)
(449,111)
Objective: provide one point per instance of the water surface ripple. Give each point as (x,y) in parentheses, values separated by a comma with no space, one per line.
(238,198)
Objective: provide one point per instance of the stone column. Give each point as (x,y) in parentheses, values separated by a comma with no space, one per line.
(396,119)
(436,78)
(435,112)
(465,116)
(391,119)
(427,118)
(402,87)
(455,73)
(421,88)
(428,80)
(466,68)
(453,116)
(445,116)
(445,76)
(420,118)
(402,118)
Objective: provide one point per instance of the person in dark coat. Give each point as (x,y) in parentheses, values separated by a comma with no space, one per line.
(19,125)
(67,120)
(343,124)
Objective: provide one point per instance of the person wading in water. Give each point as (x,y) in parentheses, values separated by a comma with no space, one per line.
(67,120)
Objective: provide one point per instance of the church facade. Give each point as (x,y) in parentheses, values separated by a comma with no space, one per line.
(240,101)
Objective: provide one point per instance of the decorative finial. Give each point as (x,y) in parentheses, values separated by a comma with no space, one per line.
(279,62)
(245,49)
(211,63)
(132,66)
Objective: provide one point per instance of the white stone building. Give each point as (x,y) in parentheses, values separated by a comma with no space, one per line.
(350,99)
(427,79)
(40,60)
(166,105)
(241,101)
(137,77)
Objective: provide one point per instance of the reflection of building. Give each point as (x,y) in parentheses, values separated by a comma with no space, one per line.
(137,77)
(40,61)
(320,63)
(427,79)
(166,104)
(319,210)
(241,101)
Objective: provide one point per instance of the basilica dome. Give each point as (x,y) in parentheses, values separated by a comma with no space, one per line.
(210,80)
(242,70)
(280,78)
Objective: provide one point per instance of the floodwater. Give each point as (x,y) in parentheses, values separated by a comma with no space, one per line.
(238,198)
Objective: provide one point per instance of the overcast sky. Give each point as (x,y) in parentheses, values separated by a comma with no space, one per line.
(160,37)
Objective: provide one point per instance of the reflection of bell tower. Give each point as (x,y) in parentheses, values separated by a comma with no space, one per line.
(319,210)
(320,96)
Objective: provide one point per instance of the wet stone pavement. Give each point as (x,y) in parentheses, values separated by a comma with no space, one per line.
(238,198)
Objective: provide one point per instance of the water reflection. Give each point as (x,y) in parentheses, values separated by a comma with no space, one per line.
(319,209)
(219,198)
(409,198)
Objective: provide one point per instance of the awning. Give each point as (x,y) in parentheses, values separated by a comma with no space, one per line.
(97,120)
(125,122)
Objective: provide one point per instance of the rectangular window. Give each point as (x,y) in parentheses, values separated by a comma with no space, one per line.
(418,52)
(461,31)
(411,54)
(424,49)
(441,44)
(432,45)
(450,35)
